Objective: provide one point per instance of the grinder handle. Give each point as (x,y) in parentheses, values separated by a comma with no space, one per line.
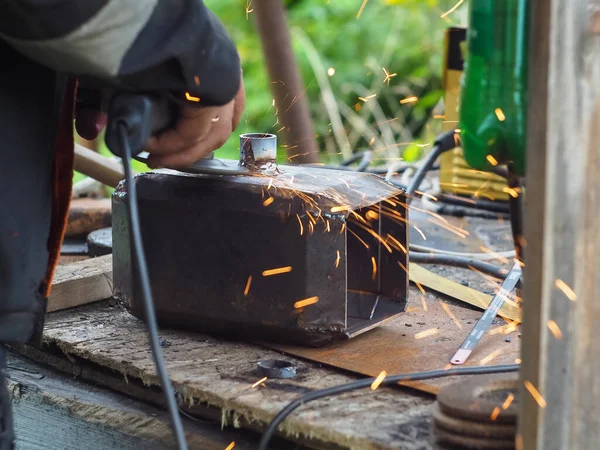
(143,115)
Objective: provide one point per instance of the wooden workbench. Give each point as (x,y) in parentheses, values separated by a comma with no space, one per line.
(101,346)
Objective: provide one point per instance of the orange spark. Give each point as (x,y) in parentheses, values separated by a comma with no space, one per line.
(499,257)
(337,260)
(259,382)
(248,283)
(372,215)
(451,10)
(374,266)
(439,116)
(277,271)
(518,361)
(426,333)
(375,384)
(366,99)
(340,208)
(398,244)
(420,232)
(191,98)
(420,288)
(493,161)
(514,193)
(411,99)
(508,401)
(301,226)
(554,329)
(306,302)
(495,413)
(327,226)
(197,80)
(230,446)
(362,7)
(451,314)
(372,141)
(403,267)
(500,114)
(388,76)
(268,201)
(535,394)
(425,194)
(564,287)
(248,10)
(491,356)
(424,302)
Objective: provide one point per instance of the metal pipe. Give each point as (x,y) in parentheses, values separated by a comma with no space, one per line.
(287,86)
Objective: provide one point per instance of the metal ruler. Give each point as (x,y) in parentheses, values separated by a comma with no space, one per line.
(508,285)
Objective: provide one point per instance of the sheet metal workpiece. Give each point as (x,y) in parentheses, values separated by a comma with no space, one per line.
(209,240)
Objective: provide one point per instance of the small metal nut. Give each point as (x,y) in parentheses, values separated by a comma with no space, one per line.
(276,368)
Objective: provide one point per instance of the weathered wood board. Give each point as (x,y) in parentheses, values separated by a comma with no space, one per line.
(218,373)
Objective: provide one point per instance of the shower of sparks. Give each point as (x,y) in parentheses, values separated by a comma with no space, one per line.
(564,287)
(451,10)
(493,161)
(268,201)
(508,401)
(331,71)
(248,8)
(500,114)
(491,356)
(301,226)
(248,283)
(366,99)
(535,394)
(451,314)
(337,259)
(374,266)
(554,329)
(375,384)
(362,7)
(411,99)
(306,302)
(230,446)
(259,382)
(189,97)
(495,413)
(388,76)
(277,271)
(426,333)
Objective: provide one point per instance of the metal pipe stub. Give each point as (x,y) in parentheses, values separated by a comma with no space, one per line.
(258,151)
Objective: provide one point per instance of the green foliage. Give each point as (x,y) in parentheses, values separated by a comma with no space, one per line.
(403,36)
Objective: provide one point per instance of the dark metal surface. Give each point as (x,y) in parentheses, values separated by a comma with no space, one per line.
(206,235)
(99,242)
(276,368)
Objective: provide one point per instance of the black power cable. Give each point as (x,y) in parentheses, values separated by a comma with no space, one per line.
(458,261)
(360,384)
(122,136)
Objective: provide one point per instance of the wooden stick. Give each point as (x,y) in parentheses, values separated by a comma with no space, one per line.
(560,381)
(98,167)
(81,283)
(288,90)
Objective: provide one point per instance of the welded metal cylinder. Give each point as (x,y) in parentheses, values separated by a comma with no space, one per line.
(258,151)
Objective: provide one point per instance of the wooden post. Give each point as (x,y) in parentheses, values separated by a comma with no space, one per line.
(561,335)
(286,84)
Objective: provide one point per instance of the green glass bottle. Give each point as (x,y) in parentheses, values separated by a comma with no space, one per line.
(493,106)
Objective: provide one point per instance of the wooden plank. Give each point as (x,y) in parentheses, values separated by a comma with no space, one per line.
(562,226)
(220,373)
(80,283)
(53,411)
(457,291)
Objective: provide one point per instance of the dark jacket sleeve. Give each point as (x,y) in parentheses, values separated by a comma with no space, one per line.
(138,45)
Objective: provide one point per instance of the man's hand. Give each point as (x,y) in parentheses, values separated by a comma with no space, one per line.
(197,132)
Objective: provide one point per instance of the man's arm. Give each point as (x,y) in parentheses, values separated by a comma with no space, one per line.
(176,45)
